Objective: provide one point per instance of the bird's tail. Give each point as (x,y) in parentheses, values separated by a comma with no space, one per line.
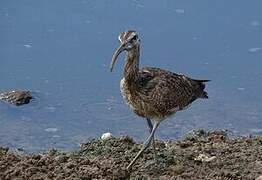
(204,95)
(201,84)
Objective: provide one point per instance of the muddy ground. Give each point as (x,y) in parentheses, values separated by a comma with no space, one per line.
(204,155)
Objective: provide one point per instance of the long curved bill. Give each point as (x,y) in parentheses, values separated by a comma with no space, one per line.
(115,55)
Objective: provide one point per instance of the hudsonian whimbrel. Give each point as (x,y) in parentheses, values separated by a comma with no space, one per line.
(153,93)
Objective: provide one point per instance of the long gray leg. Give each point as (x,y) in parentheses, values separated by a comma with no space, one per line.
(150,125)
(145,144)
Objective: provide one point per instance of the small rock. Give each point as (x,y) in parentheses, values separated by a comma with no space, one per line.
(20,149)
(36,156)
(259,178)
(106,136)
(61,158)
(186,144)
(204,158)
(70,165)
(3,150)
(17,98)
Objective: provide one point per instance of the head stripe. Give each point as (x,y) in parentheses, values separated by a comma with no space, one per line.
(126,36)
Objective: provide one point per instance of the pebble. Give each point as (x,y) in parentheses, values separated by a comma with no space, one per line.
(204,158)
(17,98)
(61,158)
(259,178)
(106,136)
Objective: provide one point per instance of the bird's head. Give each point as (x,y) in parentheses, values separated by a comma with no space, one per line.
(128,40)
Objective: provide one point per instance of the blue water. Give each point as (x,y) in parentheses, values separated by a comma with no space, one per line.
(61,50)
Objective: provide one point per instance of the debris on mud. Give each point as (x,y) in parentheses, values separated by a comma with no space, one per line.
(17,98)
(206,155)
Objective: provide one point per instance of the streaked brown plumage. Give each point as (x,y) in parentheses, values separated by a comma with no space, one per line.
(153,93)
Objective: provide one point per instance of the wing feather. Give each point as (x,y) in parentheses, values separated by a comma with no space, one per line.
(165,90)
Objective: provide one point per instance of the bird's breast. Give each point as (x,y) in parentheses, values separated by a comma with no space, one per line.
(126,93)
(133,100)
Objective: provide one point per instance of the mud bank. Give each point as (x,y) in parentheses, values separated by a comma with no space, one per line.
(204,155)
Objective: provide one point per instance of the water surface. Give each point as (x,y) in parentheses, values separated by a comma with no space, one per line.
(61,51)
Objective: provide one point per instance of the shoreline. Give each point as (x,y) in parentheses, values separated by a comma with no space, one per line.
(204,155)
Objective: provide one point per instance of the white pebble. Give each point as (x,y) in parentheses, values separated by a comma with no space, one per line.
(259,178)
(205,158)
(107,135)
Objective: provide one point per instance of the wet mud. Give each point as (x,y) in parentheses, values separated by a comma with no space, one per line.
(203,155)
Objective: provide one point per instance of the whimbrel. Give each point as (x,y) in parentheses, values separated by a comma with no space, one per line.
(153,93)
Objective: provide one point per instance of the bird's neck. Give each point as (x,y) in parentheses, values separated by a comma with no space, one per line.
(132,65)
